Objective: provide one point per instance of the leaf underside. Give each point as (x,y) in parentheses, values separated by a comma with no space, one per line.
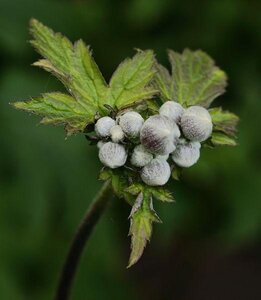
(75,67)
(194,79)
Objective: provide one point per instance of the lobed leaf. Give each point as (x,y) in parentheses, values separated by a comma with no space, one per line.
(195,80)
(74,66)
(58,108)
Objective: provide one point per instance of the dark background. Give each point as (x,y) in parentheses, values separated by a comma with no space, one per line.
(209,246)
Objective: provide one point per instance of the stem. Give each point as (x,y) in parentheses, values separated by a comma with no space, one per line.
(81,237)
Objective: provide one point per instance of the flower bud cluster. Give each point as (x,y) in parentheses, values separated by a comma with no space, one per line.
(169,138)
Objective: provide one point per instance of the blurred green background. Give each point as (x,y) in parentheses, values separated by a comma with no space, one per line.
(209,246)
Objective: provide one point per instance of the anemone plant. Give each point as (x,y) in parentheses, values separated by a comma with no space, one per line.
(148,124)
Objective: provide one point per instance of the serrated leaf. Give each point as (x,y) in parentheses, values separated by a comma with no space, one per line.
(58,108)
(135,189)
(131,81)
(163,82)
(141,228)
(72,64)
(161,194)
(224,121)
(221,139)
(195,80)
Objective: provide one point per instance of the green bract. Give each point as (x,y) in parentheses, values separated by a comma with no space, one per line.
(140,84)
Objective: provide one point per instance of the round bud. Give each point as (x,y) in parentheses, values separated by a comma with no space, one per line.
(117,134)
(196,124)
(156,173)
(186,153)
(172,110)
(131,123)
(103,126)
(140,156)
(113,155)
(100,144)
(159,135)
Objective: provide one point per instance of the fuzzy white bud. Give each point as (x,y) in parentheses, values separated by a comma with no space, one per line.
(140,156)
(103,126)
(196,123)
(116,133)
(113,155)
(100,144)
(131,123)
(156,173)
(159,135)
(172,110)
(186,153)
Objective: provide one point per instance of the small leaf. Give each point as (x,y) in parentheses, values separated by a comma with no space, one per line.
(141,228)
(105,174)
(58,108)
(195,80)
(135,189)
(224,121)
(130,83)
(161,194)
(221,139)
(176,172)
(120,182)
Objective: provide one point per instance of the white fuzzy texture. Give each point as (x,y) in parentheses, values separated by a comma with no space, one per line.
(196,124)
(159,135)
(113,155)
(156,173)
(140,156)
(186,153)
(100,144)
(103,126)
(116,133)
(172,110)
(131,123)
(165,157)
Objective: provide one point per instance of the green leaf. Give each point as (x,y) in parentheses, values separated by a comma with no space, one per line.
(135,189)
(195,80)
(176,173)
(221,139)
(58,108)
(159,193)
(72,64)
(142,218)
(224,121)
(130,83)
(120,182)
(163,82)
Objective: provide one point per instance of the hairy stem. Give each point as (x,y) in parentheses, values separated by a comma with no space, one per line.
(79,241)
